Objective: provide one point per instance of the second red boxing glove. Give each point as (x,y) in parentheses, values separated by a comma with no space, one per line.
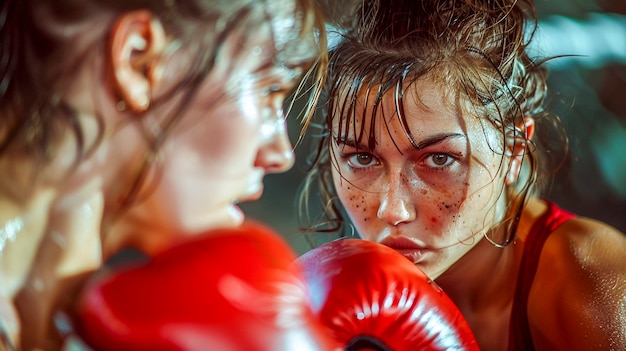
(230,290)
(373,298)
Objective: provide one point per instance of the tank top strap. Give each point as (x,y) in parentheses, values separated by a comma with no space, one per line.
(520,338)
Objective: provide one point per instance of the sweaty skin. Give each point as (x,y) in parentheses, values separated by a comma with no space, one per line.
(436,202)
(433,203)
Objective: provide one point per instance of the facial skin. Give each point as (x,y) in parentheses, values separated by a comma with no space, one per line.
(231,135)
(435,203)
(160,122)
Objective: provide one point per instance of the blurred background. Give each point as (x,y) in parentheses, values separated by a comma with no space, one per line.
(588,92)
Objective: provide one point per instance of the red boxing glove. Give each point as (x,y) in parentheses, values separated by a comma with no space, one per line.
(231,289)
(373,298)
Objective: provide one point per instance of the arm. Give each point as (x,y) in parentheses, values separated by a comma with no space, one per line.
(578,298)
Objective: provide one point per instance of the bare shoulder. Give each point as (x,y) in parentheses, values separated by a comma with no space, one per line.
(592,246)
(578,297)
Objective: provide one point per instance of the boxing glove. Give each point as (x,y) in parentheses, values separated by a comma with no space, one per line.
(228,290)
(370,297)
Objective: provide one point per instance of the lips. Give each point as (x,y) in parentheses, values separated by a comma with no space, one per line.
(254,186)
(410,249)
(253,195)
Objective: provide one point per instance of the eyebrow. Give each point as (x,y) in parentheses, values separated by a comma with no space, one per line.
(431,140)
(438,138)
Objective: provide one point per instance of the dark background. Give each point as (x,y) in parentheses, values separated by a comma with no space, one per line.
(587,92)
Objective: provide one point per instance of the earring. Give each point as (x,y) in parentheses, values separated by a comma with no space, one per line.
(121,106)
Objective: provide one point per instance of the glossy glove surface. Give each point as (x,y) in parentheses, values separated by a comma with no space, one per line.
(231,289)
(373,298)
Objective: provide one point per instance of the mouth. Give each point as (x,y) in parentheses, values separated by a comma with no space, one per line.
(254,187)
(253,194)
(235,212)
(407,247)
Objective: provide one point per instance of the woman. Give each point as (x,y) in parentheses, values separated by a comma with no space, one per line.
(133,123)
(430,148)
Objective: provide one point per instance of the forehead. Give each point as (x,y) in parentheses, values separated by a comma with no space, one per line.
(420,105)
(424,112)
(284,24)
(259,49)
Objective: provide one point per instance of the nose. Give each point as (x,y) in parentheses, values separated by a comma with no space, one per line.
(276,155)
(396,205)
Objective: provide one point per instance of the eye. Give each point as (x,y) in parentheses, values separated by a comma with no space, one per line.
(439,160)
(271,89)
(278,80)
(273,96)
(361,160)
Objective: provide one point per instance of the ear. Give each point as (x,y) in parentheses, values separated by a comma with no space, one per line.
(137,42)
(516,142)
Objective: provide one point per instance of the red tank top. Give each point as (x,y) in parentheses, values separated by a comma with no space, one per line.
(519,330)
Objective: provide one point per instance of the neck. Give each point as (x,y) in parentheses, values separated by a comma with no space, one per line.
(482,285)
(484,278)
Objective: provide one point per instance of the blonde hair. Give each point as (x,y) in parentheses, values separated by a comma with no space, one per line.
(38,44)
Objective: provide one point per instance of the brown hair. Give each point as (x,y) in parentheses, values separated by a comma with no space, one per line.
(38,51)
(476,48)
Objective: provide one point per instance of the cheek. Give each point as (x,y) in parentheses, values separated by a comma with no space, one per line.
(487,165)
(486,182)
(440,208)
(226,137)
(209,158)
(360,205)
(478,210)
(226,145)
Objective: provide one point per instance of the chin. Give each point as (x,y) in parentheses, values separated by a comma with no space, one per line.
(228,217)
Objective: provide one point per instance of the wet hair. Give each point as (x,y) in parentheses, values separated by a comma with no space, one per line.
(476,49)
(40,47)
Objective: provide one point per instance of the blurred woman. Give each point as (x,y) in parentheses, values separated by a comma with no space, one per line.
(134,123)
